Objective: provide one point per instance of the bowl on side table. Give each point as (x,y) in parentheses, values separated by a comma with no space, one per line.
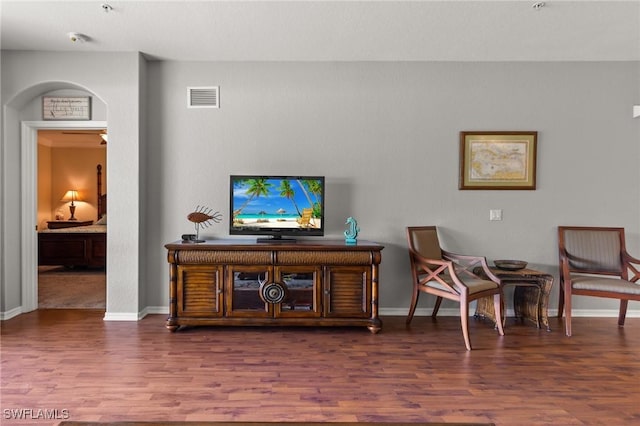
(510,265)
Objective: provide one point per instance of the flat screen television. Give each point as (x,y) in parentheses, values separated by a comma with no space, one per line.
(273,207)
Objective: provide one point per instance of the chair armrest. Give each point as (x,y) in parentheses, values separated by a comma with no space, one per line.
(435,269)
(628,258)
(630,261)
(418,258)
(467,263)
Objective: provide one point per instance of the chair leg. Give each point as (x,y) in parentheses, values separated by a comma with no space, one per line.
(622,315)
(560,299)
(414,303)
(567,308)
(497,306)
(436,307)
(464,322)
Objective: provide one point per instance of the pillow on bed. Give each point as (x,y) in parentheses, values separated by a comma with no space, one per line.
(103,220)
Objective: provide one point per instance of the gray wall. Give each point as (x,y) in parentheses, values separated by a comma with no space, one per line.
(385,135)
(25,77)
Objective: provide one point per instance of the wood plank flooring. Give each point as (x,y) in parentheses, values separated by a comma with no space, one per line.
(72,365)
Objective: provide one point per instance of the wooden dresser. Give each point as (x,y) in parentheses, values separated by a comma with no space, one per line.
(302,283)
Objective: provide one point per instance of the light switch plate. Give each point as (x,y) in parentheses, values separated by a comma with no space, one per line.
(495,214)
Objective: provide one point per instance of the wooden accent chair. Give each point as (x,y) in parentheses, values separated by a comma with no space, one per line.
(594,262)
(449,276)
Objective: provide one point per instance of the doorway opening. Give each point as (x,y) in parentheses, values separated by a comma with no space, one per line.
(30,205)
(71,189)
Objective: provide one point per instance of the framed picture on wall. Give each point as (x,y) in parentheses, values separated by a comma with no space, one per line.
(66,108)
(498,160)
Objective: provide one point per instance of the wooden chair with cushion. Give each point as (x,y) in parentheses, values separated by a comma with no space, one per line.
(449,276)
(594,262)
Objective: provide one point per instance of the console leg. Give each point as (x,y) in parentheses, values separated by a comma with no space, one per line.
(171,325)
(375,326)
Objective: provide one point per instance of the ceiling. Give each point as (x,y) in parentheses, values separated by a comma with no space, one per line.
(334,30)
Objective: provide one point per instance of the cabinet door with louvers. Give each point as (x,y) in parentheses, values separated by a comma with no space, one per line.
(200,290)
(347,291)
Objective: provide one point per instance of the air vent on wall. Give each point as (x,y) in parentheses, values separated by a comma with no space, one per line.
(203,97)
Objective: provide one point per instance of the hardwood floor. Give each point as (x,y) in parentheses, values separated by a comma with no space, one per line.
(86,369)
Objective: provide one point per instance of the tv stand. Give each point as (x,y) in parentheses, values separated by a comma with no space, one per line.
(306,283)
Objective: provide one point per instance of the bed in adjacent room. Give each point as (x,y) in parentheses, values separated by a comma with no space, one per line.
(84,245)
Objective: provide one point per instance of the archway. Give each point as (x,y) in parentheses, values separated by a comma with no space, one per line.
(22,204)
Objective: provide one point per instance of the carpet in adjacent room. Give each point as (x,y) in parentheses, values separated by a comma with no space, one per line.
(70,288)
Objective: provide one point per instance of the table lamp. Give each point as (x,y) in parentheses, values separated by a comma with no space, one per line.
(71,195)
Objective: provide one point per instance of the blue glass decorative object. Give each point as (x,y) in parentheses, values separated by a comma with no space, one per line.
(351,234)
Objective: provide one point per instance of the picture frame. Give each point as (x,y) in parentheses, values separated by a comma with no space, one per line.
(499,160)
(66,107)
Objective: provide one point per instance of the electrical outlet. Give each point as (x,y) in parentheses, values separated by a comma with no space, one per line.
(495,214)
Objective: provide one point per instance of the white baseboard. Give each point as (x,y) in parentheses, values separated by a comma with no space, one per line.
(450,312)
(149,310)
(121,316)
(154,310)
(593,313)
(157,310)
(10,314)
(399,312)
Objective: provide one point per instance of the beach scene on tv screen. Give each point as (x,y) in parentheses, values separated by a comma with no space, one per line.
(277,203)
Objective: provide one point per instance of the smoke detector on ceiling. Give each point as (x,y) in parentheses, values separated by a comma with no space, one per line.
(77,37)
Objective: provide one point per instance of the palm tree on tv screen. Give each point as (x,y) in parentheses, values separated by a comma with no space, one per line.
(256,188)
(316,189)
(287,192)
(303,183)
(312,186)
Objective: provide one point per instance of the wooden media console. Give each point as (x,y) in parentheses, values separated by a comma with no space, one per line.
(302,283)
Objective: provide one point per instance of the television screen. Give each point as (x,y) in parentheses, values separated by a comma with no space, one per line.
(276,206)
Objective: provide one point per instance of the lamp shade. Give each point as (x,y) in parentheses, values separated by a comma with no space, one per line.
(70,195)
